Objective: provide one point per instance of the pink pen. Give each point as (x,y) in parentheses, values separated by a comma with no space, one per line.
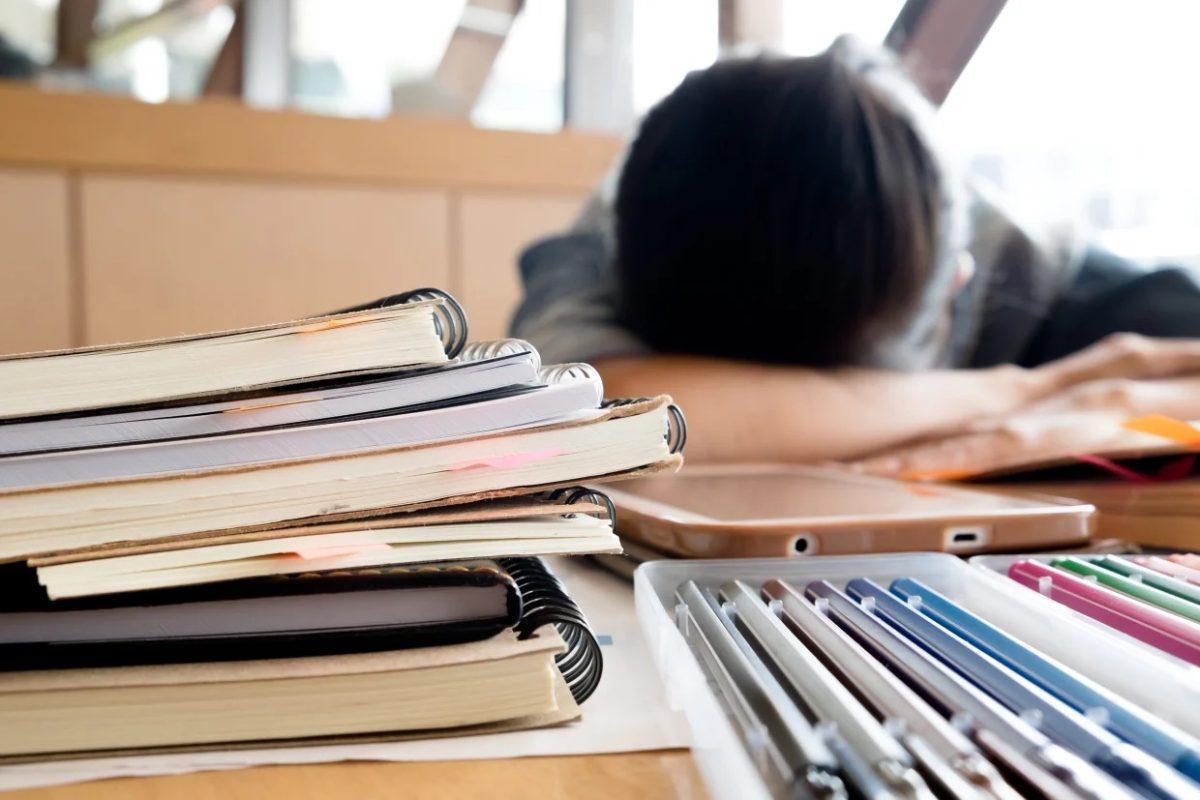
(1168,632)
(1189,560)
(1166,567)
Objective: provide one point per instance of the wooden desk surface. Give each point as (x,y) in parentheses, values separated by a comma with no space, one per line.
(663,774)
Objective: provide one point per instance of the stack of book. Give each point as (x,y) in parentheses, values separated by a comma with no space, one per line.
(318,529)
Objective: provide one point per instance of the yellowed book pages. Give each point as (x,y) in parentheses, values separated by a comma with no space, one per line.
(611,443)
(498,679)
(497,510)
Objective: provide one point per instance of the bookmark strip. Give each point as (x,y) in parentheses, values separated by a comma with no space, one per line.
(1174,470)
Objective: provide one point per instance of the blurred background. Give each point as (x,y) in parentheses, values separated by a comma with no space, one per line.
(177,165)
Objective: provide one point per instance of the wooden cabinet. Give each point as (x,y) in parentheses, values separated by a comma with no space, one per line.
(123,220)
(35,279)
(167,256)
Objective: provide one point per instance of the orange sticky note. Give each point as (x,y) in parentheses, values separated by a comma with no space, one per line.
(939,475)
(1165,427)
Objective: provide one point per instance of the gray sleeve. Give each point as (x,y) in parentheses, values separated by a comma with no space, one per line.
(569,311)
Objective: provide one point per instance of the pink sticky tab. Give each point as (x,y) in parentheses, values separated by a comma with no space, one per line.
(338,550)
(510,461)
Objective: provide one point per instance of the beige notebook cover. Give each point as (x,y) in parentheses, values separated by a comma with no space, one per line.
(317,321)
(16,688)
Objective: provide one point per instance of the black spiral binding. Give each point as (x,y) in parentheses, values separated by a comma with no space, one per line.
(544,601)
(449,318)
(481,351)
(570,495)
(564,373)
(676,435)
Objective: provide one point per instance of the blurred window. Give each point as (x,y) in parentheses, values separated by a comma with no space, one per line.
(809,26)
(1085,109)
(346,56)
(525,87)
(673,37)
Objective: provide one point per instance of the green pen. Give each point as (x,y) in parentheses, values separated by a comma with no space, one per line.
(1131,587)
(1149,577)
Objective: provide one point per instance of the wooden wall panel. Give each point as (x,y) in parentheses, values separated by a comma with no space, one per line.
(97,132)
(35,311)
(495,228)
(164,256)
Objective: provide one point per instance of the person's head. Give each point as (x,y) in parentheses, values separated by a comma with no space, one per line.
(786,210)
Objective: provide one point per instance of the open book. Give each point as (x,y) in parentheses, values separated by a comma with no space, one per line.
(1141,474)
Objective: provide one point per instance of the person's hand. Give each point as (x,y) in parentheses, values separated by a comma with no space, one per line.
(1121,356)
(1082,418)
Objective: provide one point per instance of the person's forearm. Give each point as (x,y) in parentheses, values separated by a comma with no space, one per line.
(745,412)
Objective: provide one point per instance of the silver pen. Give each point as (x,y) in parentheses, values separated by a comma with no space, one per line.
(815,688)
(788,750)
(947,756)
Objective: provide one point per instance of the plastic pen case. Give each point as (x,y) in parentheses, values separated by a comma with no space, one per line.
(1163,630)
(1027,753)
(1155,737)
(1130,766)
(947,757)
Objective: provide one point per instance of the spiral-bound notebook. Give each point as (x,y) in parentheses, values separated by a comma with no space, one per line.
(550,393)
(485,370)
(521,655)
(421,327)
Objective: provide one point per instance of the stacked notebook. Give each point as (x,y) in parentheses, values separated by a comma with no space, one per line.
(323,528)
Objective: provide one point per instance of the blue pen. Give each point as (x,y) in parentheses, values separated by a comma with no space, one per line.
(1129,765)
(1008,738)
(1131,723)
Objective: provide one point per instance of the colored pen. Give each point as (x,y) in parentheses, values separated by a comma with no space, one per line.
(1025,775)
(1129,765)
(1119,583)
(797,753)
(1166,631)
(955,698)
(1157,738)
(814,687)
(1166,583)
(944,753)
(1189,560)
(1166,567)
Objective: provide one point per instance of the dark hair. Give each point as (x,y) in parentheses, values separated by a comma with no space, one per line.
(776,210)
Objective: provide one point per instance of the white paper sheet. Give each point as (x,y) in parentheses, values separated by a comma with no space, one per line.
(627,713)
